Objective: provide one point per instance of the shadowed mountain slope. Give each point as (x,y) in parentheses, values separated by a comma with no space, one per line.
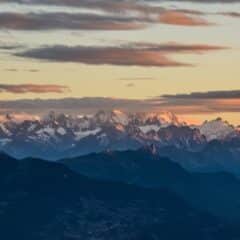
(46,201)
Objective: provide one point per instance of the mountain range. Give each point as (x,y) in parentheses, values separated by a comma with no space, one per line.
(119,176)
(45,200)
(211,147)
(217,193)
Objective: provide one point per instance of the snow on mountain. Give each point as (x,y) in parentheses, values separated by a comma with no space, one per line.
(120,117)
(216,129)
(61,131)
(161,119)
(47,130)
(165,118)
(113,117)
(4,130)
(58,134)
(148,128)
(82,134)
(4,141)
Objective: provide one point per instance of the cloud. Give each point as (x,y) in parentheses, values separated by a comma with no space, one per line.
(200,102)
(181,18)
(143,54)
(99,56)
(80,21)
(208,103)
(109,6)
(72,21)
(201,1)
(11,70)
(105,4)
(206,95)
(86,105)
(130,85)
(206,106)
(31,70)
(9,47)
(117,15)
(136,79)
(178,48)
(32,88)
(231,14)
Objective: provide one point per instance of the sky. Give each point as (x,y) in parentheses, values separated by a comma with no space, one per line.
(131,54)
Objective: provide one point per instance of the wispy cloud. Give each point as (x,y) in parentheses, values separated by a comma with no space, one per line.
(142,11)
(130,85)
(141,54)
(199,1)
(137,79)
(32,70)
(47,21)
(231,14)
(32,88)
(184,104)
(86,105)
(206,95)
(122,56)
(9,47)
(80,21)
(11,70)
(106,4)
(116,15)
(181,18)
(200,102)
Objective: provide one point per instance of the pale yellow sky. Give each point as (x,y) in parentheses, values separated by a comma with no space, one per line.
(213,70)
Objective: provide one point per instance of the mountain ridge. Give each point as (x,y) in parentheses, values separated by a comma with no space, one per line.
(107,128)
(59,204)
(217,192)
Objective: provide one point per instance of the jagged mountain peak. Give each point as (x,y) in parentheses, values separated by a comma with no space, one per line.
(64,135)
(216,129)
(165,117)
(114,116)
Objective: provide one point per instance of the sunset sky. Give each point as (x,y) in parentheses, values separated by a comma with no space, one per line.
(148,55)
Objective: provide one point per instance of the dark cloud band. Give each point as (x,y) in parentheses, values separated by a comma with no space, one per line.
(32,88)
(206,95)
(143,54)
(103,4)
(79,21)
(47,21)
(221,102)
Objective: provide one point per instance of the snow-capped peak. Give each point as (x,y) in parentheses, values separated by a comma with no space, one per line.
(61,133)
(168,118)
(216,129)
(162,119)
(115,116)
(120,117)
